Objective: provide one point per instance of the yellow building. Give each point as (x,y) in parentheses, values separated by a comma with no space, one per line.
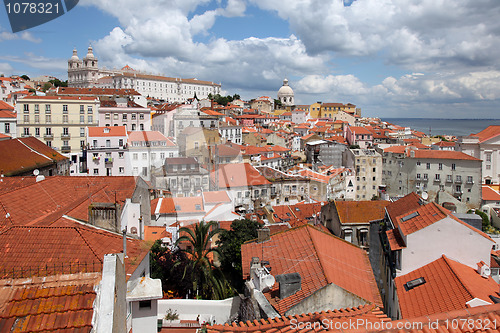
(59,121)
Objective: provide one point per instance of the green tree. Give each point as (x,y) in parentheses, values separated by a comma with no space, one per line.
(229,245)
(169,267)
(59,83)
(46,86)
(208,282)
(25,77)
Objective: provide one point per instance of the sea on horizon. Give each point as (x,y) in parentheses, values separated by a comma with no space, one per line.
(434,126)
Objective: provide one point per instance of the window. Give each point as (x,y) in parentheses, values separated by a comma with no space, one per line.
(141,127)
(48,119)
(162,156)
(49,143)
(121,170)
(26,118)
(453,166)
(418,176)
(107,116)
(47,108)
(48,131)
(170,154)
(133,116)
(141,116)
(82,109)
(82,119)
(133,127)
(437,177)
(470,180)
(418,163)
(26,108)
(196,145)
(488,167)
(488,157)
(115,116)
(425,176)
(144,171)
(135,156)
(94,143)
(89,109)
(153,156)
(124,117)
(37,131)
(37,108)
(120,154)
(458,179)
(7,128)
(82,132)
(440,166)
(428,166)
(108,143)
(90,119)
(65,119)
(96,171)
(65,109)
(65,131)
(144,156)
(449,178)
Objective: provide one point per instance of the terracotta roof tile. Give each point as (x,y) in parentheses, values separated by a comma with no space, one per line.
(26,154)
(319,258)
(360,211)
(448,286)
(443,154)
(488,133)
(490,194)
(407,203)
(239,175)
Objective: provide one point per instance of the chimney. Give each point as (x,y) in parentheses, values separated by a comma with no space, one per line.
(263,234)
(140,227)
(289,284)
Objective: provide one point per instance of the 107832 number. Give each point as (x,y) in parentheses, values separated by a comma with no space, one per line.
(32,8)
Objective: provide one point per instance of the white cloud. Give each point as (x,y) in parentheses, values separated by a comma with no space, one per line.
(25,35)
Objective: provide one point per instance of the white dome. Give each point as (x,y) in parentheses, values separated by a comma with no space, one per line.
(90,54)
(285,90)
(75,56)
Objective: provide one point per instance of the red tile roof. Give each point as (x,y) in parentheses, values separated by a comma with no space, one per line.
(320,259)
(307,322)
(490,194)
(107,131)
(360,211)
(407,203)
(26,154)
(7,114)
(95,91)
(214,197)
(42,251)
(488,133)
(448,286)
(57,196)
(444,154)
(148,136)
(153,233)
(62,303)
(183,205)
(359,130)
(239,175)
(62,98)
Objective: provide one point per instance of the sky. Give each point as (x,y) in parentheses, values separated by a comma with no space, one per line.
(391,58)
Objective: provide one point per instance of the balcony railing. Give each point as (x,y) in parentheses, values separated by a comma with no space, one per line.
(48,136)
(66,136)
(108,160)
(65,149)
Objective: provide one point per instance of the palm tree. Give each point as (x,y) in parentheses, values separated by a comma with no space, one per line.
(208,281)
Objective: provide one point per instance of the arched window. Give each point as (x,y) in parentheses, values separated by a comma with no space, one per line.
(133,230)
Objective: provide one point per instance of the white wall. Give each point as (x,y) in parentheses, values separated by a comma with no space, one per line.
(448,237)
(190,309)
(145,320)
(130,217)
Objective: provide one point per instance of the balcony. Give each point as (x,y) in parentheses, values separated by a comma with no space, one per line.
(449,180)
(48,136)
(65,149)
(65,136)
(108,160)
(458,180)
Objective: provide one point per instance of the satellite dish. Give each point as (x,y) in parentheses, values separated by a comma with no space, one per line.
(425,195)
(36,172)
(267,282)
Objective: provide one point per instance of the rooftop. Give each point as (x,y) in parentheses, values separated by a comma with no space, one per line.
(320,259)
(360,211)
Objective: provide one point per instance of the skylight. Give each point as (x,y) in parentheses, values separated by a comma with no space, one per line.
(414,283)
(409,217)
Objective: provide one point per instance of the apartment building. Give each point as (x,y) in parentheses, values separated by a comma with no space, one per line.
(446,176)
(107,151)
(59,121)
(123,112)
(367,165)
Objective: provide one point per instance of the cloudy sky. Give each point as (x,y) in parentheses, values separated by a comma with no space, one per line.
(392,58)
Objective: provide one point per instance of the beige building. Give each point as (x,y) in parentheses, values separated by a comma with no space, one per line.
(367,164)
(59,121)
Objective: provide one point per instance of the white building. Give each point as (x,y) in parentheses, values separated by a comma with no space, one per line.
(485,146)
(122,112)
(286,95)
(85,73)
(8,120)
(147,150)
(107,150)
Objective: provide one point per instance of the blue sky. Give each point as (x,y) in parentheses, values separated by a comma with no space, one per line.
(392,58)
